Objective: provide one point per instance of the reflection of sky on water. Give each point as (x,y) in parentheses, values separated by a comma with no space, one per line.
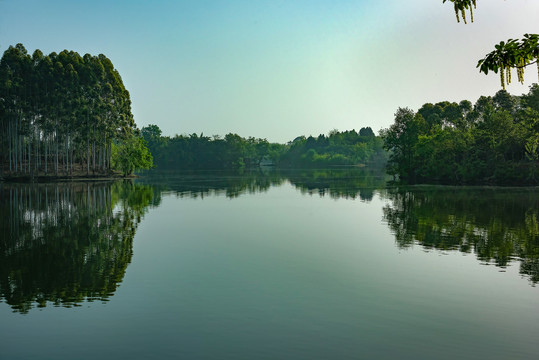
(283,274)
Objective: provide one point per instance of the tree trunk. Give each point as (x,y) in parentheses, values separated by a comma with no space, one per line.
(93,160)
(56,169)
(10,146)
(46,156)
(87,146)
(29,155)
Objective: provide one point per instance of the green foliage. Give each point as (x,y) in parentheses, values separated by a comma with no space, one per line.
(60,112)
(336,149)
(532,154)
(512,54)
(235,152)
(400,139)
(531,148)
(202,152)
(366,131)
(131,155)
(493,143)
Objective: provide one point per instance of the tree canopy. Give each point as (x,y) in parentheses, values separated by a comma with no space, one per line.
(189,152)
(60,113)
(495,141)
(338,148)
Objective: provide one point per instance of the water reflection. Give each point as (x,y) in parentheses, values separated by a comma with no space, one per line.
(497,225)
(64,244)
(337,183)
(67,243)
(202,184)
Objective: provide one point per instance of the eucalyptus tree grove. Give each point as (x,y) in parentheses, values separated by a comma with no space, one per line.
(60,113)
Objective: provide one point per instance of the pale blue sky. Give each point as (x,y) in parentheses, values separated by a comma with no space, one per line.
(277,69)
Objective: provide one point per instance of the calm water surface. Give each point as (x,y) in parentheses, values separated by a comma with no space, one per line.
(300,265)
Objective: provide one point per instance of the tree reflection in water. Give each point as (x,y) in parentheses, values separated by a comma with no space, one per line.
(347,183)
(67,243)
(64,244)
(339,183)
(497,225)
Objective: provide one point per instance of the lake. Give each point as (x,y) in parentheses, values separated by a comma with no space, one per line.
(328,264)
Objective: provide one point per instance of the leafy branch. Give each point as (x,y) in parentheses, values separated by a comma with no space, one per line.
(461,6)
(512,54)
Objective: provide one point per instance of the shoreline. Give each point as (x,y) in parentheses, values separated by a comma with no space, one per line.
(64,178)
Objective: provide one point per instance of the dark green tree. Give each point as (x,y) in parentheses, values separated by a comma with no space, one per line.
(493,143)
(60,112)
(400,140)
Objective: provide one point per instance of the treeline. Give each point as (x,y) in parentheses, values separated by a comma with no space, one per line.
(233,151)
(335,149)
(494,141)
(203,152)
(61,113)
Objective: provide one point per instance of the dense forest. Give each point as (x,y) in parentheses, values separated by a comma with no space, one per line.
(235,152)
(494,141)
(335,149)
(65,114)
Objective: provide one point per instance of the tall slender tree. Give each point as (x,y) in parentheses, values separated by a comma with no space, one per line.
(60,112)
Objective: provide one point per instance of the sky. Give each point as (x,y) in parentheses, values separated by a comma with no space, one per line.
(278,69)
